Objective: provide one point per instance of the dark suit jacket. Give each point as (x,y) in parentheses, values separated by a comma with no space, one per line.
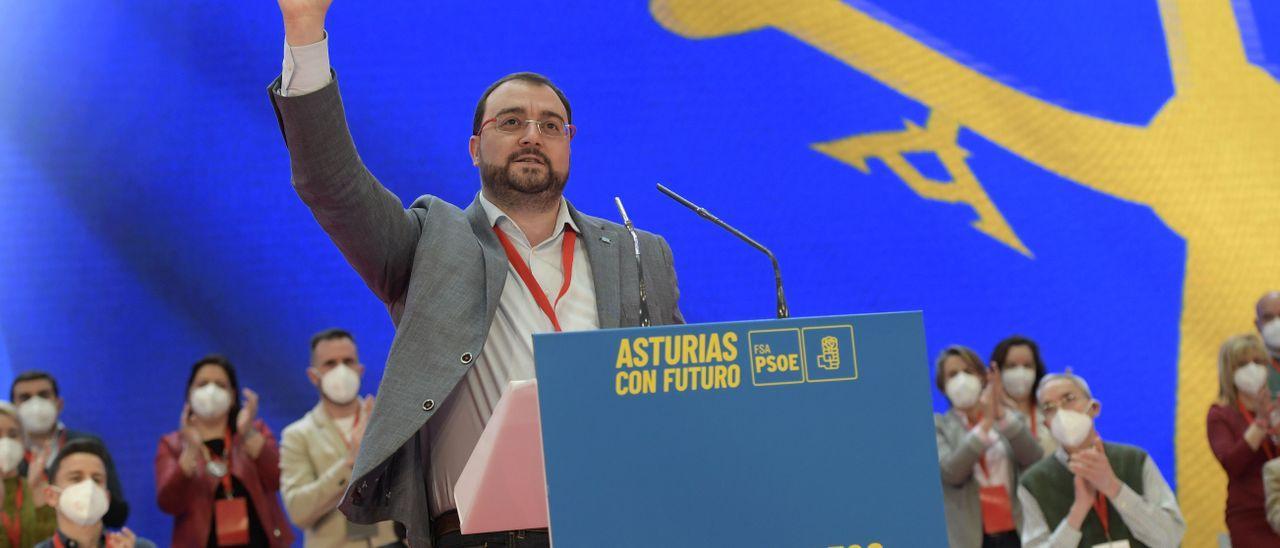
(440,271)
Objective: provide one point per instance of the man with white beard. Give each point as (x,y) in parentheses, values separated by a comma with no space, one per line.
(35,393)
(1091,493)
(318,452)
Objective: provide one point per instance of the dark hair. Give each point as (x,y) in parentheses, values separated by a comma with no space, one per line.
(220,361)
(80,445)
(33,375)
(330,334)
(1002,351)
(530,77)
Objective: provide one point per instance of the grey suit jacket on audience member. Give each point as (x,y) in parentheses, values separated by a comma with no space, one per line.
(958,452)
(440,271)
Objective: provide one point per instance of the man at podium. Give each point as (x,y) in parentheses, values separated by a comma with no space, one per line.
(465,288)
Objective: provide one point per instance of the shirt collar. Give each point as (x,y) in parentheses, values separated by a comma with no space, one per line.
(68,542)
(500,219)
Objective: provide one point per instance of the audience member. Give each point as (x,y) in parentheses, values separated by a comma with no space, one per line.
(1018,360)
(982,448)
(1239,427)
(39,408)
(318,452)
(218,474)
(79,493)
(1090,492)
(26,518)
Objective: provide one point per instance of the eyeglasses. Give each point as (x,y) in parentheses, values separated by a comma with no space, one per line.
(511,124)
(1049,408)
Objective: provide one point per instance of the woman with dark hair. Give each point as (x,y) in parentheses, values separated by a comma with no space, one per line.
(983,447)
(219,473)
(1018,360)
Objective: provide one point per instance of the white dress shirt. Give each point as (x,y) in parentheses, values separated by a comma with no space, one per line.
(1153,517)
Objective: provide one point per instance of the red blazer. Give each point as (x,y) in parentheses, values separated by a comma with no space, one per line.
(190,499)
(1246,513)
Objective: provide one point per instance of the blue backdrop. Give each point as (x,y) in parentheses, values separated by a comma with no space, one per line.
(146,216)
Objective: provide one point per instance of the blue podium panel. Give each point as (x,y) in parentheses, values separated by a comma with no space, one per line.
(800,432)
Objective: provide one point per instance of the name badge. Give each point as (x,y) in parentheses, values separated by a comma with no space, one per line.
(231,521)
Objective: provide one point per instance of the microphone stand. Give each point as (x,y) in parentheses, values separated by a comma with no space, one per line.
(702,212)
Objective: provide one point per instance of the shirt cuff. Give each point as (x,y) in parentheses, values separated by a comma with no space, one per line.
(1065,535)
(1128,499)
(305,68)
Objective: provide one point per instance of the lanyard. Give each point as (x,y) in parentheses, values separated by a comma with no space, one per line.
(224,458)
(566,262)
(1100,508)
(13,522)
(57,540)
(1266,441)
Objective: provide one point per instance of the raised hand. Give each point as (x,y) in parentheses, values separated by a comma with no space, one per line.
(995,383)
(357,433)
(248,412)
(1092,465)
(303,20)
(124,539)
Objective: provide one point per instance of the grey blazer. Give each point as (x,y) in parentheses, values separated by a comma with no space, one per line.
(958,452)
(440,271)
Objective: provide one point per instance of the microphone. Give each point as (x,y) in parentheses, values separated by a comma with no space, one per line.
(777,273)
(644,293)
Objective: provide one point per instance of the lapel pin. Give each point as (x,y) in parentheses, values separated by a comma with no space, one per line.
(606,240)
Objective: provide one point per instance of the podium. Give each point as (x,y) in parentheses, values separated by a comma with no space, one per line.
(798,432)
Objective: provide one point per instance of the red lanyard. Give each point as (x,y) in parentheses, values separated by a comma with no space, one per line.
(1266,441)
(566,262)
(1100,508)
(13,522)
(57,540)
(225,457)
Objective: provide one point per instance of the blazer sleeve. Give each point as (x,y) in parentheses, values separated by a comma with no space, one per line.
(956,459)
(1229,446)
(677,317)
(173,488)
(309,493)
(369,223)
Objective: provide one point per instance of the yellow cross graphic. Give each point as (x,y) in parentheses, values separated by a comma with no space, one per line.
(1206,164)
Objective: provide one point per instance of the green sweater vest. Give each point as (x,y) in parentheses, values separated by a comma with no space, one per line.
(1051,483)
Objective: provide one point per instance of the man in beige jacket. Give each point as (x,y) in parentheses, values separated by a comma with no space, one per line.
(318,452)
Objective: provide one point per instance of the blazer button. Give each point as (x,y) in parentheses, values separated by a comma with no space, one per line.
(276,533)
(428,405)
(466,357)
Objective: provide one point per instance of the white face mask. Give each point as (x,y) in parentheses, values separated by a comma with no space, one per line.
(1018,380)
(340,384)
(963,390)
(83,503)
(210,401)
(38,415)
(1249,379)
(1271,334)
(11,452)
(1070,428)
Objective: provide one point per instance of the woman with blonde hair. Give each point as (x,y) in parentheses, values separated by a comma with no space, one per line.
(25,519)
(1240,426)
(982,448)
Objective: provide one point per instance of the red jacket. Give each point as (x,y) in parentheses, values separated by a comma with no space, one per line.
(1246,513)
(190,499)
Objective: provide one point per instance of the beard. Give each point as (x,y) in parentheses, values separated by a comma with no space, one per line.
(521,186)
